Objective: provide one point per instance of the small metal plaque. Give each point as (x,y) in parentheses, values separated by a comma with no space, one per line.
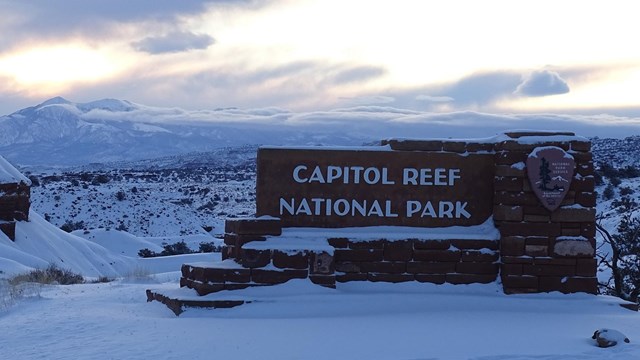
(550,170)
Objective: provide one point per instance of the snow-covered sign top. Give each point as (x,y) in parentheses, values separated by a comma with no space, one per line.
(9,174)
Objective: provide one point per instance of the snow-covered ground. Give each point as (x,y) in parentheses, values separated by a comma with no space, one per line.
(298,320)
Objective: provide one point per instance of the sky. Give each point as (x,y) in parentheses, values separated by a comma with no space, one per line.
(493,56)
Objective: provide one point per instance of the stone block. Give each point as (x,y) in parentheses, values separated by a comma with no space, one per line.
(574,215)
(431,244)
(516,134)
(386,267)
(585,184)
(234,286)
(324,280)
(459,279)
(508,213)
(356,255)
(554,261)
(585,169)
(529,229)
(229,252)
(375,244)
(549,270)
(536,250)
(425,267)
(239,240)
(577,145)
(454,146)
(398,250)
(515,198)
(339,243)
(415,145)
(185,271)
(588,230)
(213,275)
(508,170)
(537,218)
(251,258)
(205,289)
(512,246)
(197,273)
(516,260)
(581,284)
(437,255)
(586,199)
(514,281)
(261,276)
(537,240)
(511,269)
(479,147)
(322,263)
(510,157)
(573,248)
(238,275)
(392,278)
(479,256)
(477,268)
(586,267)
(253,226)
(536,210)
(348,267)
(284,260)
(9,229)
(351,277)
(431,278)
(570,231)
(471,244)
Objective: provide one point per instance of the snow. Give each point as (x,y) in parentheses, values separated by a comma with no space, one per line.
(9,174)
(484,231)
(299,320)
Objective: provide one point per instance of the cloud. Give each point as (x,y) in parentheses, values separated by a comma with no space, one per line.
(358,74)
(542,83)
(174,42)
(368,100)
(434,99)
(97,20)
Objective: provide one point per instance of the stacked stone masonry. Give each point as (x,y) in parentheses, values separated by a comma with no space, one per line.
(544,251)
(14,206)
(538,250)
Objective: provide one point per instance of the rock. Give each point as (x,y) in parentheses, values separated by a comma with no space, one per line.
(608,337)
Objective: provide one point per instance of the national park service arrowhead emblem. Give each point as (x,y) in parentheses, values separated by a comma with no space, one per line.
(550,170)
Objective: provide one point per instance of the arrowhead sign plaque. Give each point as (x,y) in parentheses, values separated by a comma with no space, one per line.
(550,171)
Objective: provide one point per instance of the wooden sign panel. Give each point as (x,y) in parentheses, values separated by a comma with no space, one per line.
(317,187)
(550,170)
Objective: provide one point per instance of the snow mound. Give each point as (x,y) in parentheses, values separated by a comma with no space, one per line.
(39,244)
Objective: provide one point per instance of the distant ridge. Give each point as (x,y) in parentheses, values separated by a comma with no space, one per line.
(61,133)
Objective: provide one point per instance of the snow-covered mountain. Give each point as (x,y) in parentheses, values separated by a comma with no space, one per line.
(62,133)
(59,132)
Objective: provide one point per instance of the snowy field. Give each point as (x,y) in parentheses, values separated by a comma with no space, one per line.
(298,320)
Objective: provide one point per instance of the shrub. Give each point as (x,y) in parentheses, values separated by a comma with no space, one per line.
(623,260)
(608,193)
(208,247)
(120,195)
(70,226)
(146,253)
(51,275)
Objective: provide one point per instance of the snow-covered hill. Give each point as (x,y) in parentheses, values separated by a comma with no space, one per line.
(59,132)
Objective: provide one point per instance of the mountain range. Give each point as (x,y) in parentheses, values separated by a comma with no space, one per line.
(61,133)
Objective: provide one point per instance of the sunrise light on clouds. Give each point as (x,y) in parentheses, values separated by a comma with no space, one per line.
(495,56)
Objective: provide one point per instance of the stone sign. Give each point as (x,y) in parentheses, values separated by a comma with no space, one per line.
(550,170)
(373,186)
